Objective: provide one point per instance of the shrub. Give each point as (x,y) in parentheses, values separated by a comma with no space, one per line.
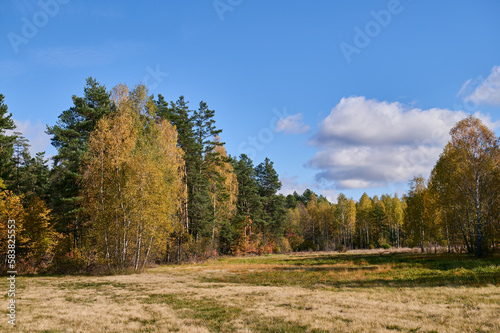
(73,262)
(306,246)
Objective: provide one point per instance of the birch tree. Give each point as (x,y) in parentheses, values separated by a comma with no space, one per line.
(468,178)
(223,190)
(133,181)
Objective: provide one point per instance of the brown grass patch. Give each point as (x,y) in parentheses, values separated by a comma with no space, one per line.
(192,298)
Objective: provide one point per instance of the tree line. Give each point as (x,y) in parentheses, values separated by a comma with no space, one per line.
(137,180)
(458,207)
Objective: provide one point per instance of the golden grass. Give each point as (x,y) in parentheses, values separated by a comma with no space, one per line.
(195,298)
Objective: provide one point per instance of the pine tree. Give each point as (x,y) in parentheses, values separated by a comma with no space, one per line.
(32,173)
(274,211)
(197,133)
(306,196)
(19,158)
(249,205)
(178,114)
(205,132)
(7,165)
(291,201)
(70,136)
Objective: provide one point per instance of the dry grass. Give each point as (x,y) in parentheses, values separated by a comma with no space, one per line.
(353,292)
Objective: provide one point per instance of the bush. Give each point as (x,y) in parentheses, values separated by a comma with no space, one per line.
(306,246)
(386,246)
(74,262)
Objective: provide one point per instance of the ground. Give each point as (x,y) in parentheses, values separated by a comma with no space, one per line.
(358,291)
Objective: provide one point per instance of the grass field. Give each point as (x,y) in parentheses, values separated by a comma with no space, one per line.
(359,291)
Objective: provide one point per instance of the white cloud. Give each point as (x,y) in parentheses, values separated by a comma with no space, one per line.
(356,120)
(464,87)
(369,143)
(35,133)
(485,92)
(290,185)
(366,166)
(330,195)
(292,124)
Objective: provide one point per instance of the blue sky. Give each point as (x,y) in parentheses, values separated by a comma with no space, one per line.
(343,96)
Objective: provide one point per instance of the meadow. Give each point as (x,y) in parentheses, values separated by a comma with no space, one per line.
(358,291)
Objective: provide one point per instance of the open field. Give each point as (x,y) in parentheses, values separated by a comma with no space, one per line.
(370,291)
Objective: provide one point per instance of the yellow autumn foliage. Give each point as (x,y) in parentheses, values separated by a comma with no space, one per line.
(132,181)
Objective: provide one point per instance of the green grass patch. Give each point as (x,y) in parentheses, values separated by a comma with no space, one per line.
(91,285)
(367,270)
(220,317)
(210,313)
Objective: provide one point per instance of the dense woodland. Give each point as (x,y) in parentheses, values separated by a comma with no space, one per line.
(139,180)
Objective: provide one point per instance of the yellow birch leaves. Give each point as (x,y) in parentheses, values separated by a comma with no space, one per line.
(133,181)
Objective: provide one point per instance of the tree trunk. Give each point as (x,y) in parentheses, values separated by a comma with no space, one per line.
(479,242)
(422,237)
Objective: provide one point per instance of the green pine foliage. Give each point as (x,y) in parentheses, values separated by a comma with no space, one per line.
(223,205)
(70,136)
(7,166)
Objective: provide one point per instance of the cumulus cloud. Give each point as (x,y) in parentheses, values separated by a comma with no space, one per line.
(292,124)
(369,143)
(356,120)
(352,167)
(484,92)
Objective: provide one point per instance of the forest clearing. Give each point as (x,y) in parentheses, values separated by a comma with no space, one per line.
(357,291)
(250,166)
